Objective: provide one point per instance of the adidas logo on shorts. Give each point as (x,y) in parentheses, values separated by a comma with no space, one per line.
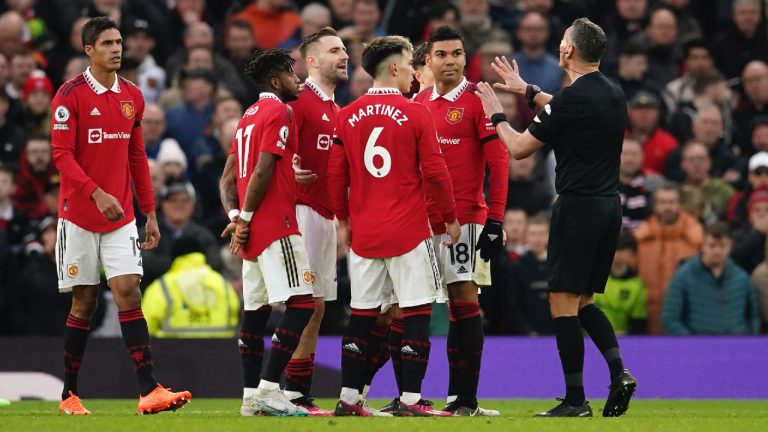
(352,347)
(461,270)
(409,351)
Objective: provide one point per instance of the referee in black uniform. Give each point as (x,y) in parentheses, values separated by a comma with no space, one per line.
(584,123)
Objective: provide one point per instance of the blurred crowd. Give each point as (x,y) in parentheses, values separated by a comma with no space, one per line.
(694,166)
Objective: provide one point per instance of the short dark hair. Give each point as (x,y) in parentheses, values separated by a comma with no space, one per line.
(8,170)
(589,39)
(438,9)
(93,29)
(632,49)
(314,38)
(420,55)
(444,33)
(241,24)
(669,187)
(693,44)
(380,49)
(627,241)
(718,230)
(264,65)
(705,80)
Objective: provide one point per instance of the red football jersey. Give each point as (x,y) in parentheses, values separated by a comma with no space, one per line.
(468,141)
(97,142)
(267,126)
(314,114)
(385,146)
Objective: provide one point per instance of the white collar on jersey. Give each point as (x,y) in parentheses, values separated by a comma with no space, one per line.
(270,95)
(384,91)
(97,87)
(452,95)
(312,85)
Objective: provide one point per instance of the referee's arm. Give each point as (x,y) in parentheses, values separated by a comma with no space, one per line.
(520,145)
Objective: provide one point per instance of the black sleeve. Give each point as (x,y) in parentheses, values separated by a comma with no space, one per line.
(559,112)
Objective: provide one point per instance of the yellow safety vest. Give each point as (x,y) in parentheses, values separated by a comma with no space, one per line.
(191,300)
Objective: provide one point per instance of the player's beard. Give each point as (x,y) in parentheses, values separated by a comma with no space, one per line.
(332,75)
(288,95)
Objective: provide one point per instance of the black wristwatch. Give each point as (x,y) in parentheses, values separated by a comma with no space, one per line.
(531,90)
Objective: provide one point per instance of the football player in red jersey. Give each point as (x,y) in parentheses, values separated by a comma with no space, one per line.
(98,149)
(468,142)
(275,265)
(385,149)
(314,114)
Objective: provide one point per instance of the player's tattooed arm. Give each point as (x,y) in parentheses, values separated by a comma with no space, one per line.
(228,186)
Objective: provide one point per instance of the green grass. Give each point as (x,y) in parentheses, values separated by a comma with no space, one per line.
(210,415)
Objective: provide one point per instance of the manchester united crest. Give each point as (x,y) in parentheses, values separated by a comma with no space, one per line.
(72,270)
(126,107)
(454,115)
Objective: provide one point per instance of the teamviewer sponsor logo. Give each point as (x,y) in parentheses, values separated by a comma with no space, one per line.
(323,142)
(94,136)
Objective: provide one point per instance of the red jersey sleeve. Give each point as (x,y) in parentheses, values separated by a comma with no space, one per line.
(338,179)
(434,171)
(137,160)
(63,136)
(497,158)
(278,127)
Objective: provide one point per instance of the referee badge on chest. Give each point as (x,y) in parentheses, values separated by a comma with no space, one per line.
(126,107)
(454,115)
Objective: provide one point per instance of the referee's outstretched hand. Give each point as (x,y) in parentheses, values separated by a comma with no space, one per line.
(491,240)
(510,73)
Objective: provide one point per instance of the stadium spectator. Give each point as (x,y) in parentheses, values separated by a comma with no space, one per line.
(314,16)
(153,125)
(177,206)
(207,183)
(524,191)
(479,67)
(341,12)
(635,186)
(644,112)
(709,88)
(36,308)
(532,57)
(709,294)
(35,172)
(140,40)
(157,175)
(173,163)
(75,66)
(697,61)
(620,28)
(715,192)
(203,57)
(688,27)
(187,121)
(747,33)
(632,71)
(707,128)
(22,63)
(625,299)
(476,26)
(757,179)
(238,43)
(754,78)
(366,17)
(749,244)
(663,50)
(272,21)
(224,109)
(528,298)
(11,33)
(13,222)
(439,14)
(191,300)
(667,237)
(759,133)
(760,282)
(4,70)
(51,195)
(187,13)
(66,49)
(515,223)
(36,98)
(11,135)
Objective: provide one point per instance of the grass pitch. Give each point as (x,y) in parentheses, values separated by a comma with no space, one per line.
(210,415)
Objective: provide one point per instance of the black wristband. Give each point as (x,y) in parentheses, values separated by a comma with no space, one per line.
(498,118)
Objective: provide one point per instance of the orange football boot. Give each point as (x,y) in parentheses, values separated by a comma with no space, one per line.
(163,399)
(72,405)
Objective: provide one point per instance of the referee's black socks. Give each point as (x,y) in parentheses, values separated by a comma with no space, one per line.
(601,331)
(570,345)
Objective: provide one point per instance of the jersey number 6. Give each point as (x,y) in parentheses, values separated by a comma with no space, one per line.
(371,151)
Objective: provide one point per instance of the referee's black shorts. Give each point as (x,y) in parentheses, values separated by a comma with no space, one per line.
(582,241)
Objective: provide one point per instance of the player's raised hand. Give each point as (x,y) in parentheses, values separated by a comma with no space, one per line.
(510,73)
(108,205)
(152,233)
(302,176)
(453,230)
(491,103)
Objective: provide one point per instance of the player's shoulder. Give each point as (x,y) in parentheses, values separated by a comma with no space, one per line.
(423,95)
(469,95)
(128,84)
(270,107)
(70,85)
